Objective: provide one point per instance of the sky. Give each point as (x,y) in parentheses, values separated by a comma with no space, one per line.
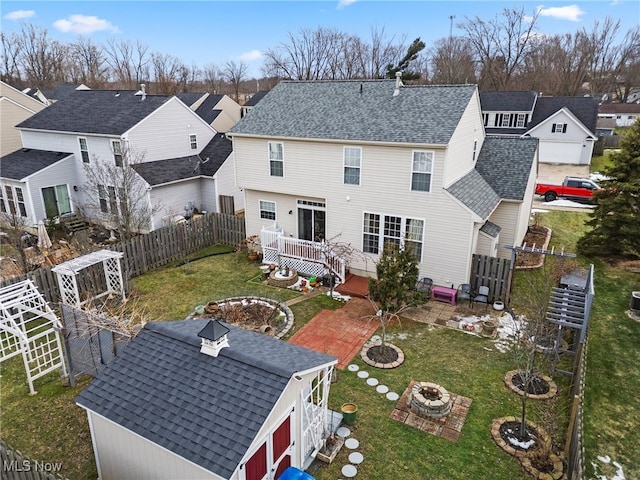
(215,32)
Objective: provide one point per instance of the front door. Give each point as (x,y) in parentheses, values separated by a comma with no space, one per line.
(311,221)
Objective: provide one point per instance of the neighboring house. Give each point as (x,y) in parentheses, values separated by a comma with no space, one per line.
(605,126)
(62,91)
(565,126)
(625,114)
(253,101)
(371,162)
(112,128)
(177,403)
(219,111)
(15,107)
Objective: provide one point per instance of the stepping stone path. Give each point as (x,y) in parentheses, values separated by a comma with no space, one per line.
(350,470)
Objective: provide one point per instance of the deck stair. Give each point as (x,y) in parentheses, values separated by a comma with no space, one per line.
(73,222)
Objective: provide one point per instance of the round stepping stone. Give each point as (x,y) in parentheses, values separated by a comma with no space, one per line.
(372,382)
(343,432)
(351,443)
(356,458)
(349,471)
(353,367)
(393,396)
(363,374)
(382,389)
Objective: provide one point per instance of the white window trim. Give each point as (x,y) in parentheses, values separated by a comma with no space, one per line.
(433,161)
(381,235)
(345,166)
(195,140)
(117,152)
(86,142)
(521,120)
(507,117)
(276,160)
(275,210)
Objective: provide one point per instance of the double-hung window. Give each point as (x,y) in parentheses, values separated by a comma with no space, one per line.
(352,156)
(193,141)
(15,201)
(421,170)
(116,146)
(276,159)
(559,128)
(371,233)
(84,149)
(506,120)
(102,195)
(267,210)
(520,120)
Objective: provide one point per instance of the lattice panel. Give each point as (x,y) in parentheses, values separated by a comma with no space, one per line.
(45,354)
(68,289)
(112,274)
(303,266)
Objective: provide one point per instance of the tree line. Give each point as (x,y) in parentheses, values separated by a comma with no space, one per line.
(505,52)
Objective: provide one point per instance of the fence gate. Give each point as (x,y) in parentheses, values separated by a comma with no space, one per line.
(29,327)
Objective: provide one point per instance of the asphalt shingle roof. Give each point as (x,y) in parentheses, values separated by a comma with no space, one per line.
(255,98)
(207,110)
(358,111)
(24,162)
(502,172)
(107,112)
(175,169)
(507,101)
(206,409)
(584,108)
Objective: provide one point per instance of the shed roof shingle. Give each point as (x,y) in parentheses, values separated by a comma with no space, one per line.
(24,162)
(205,409)
(358,111)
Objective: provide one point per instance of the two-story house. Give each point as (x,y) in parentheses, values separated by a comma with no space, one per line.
(15,107)
(625,114)
(565,126)
(87,130)
(370,162)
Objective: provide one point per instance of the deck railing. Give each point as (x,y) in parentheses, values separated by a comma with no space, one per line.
(307,257)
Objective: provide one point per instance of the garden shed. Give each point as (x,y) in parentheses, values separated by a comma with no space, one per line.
(202,399)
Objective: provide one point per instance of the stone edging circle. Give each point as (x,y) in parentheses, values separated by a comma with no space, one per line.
(521,455)
(289,318)
(363,354)
(553,386)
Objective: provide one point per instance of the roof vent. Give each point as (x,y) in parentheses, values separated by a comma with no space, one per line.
(142,92)
(214,338)
(396,92)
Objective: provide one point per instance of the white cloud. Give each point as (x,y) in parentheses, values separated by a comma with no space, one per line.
(570,12)
(251,56)
(345,3)
(19,14)
(82,24)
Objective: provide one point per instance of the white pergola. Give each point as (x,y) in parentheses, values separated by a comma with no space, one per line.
(67,273)
(29,327)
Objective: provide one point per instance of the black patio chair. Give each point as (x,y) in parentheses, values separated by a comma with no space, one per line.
(424,285)
(464,292)
(482,296)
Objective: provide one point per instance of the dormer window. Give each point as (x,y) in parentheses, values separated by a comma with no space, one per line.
(214,338)
(520,121)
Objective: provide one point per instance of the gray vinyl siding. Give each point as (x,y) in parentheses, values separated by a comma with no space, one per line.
(507,216)
(165,133)
(173,198)
(62,173)
(314,171)
(226,183)
(122,454)
(209,195)
(571,147)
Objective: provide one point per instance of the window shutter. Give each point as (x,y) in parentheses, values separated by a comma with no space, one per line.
(564,128)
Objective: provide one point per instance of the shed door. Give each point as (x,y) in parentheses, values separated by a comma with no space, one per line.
(281,444)
(274,455)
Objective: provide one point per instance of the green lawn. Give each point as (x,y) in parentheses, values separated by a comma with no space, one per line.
(50,427)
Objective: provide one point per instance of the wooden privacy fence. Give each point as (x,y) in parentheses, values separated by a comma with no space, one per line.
(574,447)
(150,251)
(492,272)
(17,466)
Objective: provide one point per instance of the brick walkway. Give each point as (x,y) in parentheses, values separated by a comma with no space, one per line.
(340,333)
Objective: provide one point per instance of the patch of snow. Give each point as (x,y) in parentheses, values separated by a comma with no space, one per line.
(337,296)
(568,203)
(605,459)
(619,473)
(509,332)
(539,210)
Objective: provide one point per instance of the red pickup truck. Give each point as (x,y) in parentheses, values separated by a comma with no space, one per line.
(572,188)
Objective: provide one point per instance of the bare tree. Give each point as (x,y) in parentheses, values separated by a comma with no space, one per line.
(129,62)
(452,61)
(168,73)
(90,60)
(13,224)
(212,77)
(381,53)
(500,45)
(115,193)
(11,50)
(235,73)
(42,59)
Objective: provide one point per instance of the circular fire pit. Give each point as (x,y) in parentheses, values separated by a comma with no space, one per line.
(429,400)
(277,278)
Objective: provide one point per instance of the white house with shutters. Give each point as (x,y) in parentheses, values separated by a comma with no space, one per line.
(370,162)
